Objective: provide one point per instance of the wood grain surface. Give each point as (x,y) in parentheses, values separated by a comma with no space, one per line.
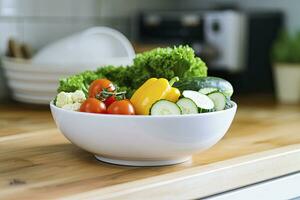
(37,162)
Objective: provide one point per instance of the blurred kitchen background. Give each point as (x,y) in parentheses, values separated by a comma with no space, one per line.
(234,37)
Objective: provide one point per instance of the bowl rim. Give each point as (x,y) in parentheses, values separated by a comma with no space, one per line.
(234,107)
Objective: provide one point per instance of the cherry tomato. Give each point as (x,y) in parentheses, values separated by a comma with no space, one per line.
(93,105)
(123,107)
(110,100)
(100,84)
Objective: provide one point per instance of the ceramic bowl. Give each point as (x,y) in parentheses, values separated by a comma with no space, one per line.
(37,83)
(36,80)
(98,45)
(143,140)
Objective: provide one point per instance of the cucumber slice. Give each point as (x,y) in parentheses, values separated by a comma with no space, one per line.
(196,83)
(165,107)
(207,91)
(187,106)
(202,101)
(219,100)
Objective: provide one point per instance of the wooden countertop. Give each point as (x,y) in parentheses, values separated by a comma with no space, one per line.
(37,162)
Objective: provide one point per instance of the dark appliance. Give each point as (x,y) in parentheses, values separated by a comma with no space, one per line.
(236,45)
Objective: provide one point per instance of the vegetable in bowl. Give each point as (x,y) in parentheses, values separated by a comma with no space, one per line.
(160,63)
(164,81)
(153,90)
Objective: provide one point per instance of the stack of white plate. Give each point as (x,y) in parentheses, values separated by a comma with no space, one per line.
(36,80)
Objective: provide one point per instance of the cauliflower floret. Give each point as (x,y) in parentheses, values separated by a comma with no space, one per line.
(73,106)
(63,98)
(78,96)
(70,101)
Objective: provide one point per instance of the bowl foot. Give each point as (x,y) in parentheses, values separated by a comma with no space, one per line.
(142,163)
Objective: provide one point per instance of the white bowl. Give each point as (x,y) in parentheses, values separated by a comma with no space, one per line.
(33,83)
(37,83)
(36,80)
(143,140)
(97,45)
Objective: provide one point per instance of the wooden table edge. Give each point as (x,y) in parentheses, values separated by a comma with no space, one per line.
(206,180)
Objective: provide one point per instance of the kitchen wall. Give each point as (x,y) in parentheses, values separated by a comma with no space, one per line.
(38,22)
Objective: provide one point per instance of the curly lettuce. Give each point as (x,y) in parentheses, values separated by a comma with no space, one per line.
(77,82)
(161,63)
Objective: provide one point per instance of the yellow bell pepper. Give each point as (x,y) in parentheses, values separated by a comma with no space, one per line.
(151,91)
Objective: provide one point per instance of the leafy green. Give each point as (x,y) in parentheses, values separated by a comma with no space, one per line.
(160,63)
(78,82)
(287,48)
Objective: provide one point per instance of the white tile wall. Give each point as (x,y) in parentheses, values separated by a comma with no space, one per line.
(125,8)
(86,8)
(118,8)
(55,8)
(10,8)
(39,22)
(29,8)
(38,33)
(19,8)
(82,24)
(42,21)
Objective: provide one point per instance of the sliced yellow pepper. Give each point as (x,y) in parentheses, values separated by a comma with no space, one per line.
(151,91)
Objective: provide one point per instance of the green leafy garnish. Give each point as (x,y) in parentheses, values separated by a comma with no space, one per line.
(160,63)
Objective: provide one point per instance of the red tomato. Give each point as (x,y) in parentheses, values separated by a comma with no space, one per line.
(100,84)
(123,107)
(93,105)
(109,100)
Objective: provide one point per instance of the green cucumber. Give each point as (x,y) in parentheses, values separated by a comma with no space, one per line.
(165,107)
(228,104)
(207,91)
(187,106)
(201,100)
(197,83)
(219,100)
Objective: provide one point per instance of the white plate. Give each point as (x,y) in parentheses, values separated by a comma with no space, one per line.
(36,81)
(33,99)
(62,69)
(143,140)
(28,81)
(98,45)
(33,85)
